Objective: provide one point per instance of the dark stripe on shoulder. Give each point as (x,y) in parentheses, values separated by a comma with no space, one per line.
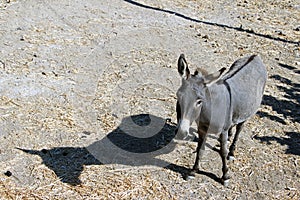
(229,91)
(248,61)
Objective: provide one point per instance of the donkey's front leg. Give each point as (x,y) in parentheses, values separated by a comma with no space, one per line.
(224,154)
(199,152)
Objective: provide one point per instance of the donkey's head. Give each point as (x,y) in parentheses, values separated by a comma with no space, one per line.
(192,94)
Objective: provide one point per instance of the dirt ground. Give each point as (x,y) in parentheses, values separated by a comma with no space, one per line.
(75,74)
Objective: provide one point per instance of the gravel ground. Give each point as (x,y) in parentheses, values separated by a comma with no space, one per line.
(73,74)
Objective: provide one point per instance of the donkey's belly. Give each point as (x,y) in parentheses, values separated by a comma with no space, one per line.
(245,103)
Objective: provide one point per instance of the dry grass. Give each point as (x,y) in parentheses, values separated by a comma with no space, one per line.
(72,71)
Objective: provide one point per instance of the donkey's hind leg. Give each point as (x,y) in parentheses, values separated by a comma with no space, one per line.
(239,128)
(224,154)
(229,133)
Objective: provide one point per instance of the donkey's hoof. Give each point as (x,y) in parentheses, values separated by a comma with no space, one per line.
(231,158)
(189,176)
(225,182)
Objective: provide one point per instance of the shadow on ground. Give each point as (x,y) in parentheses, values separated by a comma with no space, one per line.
(240,29)
(286,109)
(292,141)
(119,147)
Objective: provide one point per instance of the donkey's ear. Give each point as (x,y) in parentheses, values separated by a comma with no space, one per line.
(183,68)
(212,78)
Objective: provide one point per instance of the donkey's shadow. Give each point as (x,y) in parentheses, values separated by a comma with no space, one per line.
(66,162)
(137,141)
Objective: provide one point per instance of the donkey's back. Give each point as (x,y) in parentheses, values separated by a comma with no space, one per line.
(245,81)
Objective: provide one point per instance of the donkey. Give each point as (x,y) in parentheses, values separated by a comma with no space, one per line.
(217,103)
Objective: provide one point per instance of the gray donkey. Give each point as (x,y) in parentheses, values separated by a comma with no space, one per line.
(218,103)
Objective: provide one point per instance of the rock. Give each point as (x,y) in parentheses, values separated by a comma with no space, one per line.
(8,173)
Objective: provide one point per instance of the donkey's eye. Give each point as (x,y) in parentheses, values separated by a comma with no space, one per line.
(198,102)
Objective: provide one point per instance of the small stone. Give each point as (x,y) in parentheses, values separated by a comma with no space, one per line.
(2,64)
(55,74)
(279,32)
(8,173)
(86,132)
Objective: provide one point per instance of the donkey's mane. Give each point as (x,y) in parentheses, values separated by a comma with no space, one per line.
(201,71)
(237,66)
